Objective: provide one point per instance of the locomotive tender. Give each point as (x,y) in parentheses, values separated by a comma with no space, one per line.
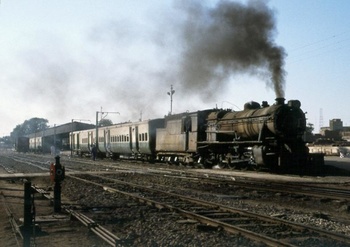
(264,135)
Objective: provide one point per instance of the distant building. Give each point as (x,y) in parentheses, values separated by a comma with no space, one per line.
(336,124)
(336,131)
(57,136)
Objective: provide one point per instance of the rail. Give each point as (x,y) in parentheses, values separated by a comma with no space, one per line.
(225,211)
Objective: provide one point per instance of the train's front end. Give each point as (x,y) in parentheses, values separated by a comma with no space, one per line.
(273,134)
(289,120)
(286,147)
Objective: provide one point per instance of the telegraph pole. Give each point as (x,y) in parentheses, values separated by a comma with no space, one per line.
(171,99)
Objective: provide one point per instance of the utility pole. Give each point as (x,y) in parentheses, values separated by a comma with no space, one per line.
(171,99)
(97,112)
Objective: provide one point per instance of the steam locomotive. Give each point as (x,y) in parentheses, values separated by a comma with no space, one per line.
(261,135)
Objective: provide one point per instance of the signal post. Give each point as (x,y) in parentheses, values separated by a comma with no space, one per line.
(57,174)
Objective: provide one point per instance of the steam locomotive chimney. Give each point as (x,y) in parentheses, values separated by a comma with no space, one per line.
(280,101)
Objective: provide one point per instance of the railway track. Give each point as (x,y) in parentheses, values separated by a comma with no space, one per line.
(218,212)
(303,189)
(269,230)
(17,235)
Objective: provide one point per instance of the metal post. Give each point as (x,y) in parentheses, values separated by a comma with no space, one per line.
(57,187)
(57,197)
(71,140)
(27,224)
(96,136)
(171,98)
(54,138)
(58,177)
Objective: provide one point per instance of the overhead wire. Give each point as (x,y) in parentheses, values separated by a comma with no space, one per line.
(320,41)
(312,50)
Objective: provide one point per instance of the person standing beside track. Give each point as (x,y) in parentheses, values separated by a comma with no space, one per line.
(93,152)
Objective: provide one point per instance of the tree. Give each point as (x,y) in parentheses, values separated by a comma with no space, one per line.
(6,142)
(30,126)
(105,122)
(309,128)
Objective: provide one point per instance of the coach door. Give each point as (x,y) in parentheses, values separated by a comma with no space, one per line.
(108,141)
(131,139)
(90,140)
(136,139)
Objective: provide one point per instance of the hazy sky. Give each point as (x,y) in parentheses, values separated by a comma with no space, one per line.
(64,60)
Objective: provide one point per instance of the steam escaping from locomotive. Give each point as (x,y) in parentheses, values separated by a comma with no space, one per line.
(228,39)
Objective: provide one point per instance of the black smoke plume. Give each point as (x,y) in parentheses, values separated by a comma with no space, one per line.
(229,39)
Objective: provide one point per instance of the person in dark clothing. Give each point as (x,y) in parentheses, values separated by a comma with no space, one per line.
(93,152)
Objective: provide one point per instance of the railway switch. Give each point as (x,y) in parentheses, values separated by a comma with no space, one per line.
(57,174)
(57,171)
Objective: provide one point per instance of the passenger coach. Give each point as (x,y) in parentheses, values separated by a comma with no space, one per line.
(127,140)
